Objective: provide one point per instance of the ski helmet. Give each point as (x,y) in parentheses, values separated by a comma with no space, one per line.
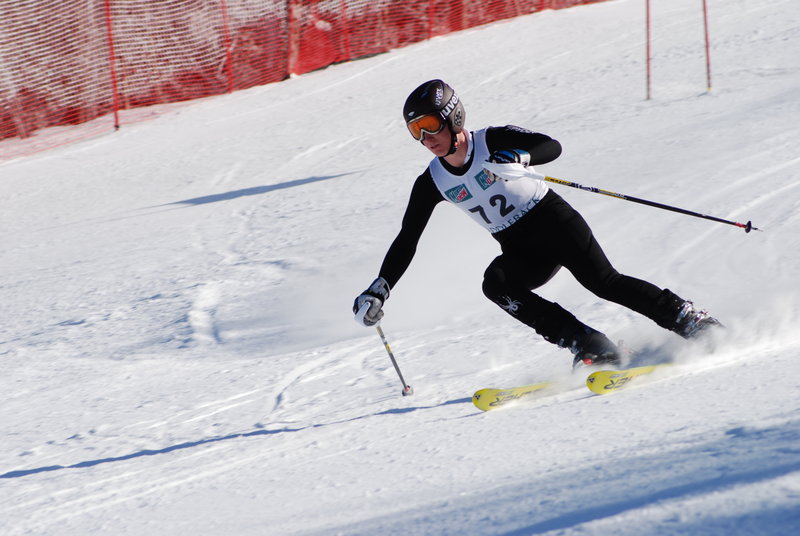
(436,97)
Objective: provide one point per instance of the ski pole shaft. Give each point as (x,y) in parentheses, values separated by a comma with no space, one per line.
(746,226)
(407,390)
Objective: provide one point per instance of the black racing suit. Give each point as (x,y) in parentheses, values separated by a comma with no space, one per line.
(551,235)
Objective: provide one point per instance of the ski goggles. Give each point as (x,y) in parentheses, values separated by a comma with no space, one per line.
(425,124)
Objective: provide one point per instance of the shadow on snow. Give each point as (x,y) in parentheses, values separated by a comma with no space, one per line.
(256,190)
(193,444)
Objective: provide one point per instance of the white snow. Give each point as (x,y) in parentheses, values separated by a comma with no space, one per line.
(178,351)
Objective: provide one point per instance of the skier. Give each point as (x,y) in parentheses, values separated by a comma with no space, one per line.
(483,173)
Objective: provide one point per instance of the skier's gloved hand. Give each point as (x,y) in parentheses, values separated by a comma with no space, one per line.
(375,296)
(510,156)
(509,164)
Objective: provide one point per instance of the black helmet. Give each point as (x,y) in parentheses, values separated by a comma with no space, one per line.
(435,96)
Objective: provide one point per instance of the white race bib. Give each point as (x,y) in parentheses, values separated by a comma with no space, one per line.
(493,203)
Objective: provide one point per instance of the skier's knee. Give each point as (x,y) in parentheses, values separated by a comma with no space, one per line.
(493,282)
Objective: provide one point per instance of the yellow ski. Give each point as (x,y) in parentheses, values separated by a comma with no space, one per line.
(608,381)
(488,399)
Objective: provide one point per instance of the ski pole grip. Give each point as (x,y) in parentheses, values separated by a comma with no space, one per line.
(362,312)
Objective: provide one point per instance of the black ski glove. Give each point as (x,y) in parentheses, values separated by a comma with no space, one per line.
(510,156)
(375,296)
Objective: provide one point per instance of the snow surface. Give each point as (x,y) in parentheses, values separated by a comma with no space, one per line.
(179,355)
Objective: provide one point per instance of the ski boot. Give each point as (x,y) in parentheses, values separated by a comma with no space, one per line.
(691,323)
(595,350)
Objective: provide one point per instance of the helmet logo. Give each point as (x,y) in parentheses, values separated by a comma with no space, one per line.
(450,105)
(439,96)
(457,118)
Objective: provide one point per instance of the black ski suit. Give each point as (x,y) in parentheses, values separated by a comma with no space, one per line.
(551,235)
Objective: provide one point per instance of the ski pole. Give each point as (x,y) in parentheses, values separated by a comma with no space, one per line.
(407,390)
(746,226)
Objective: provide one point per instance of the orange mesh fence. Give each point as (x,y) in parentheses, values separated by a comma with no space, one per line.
(70,70)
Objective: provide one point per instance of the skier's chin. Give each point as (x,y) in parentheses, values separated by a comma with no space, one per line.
(438,150)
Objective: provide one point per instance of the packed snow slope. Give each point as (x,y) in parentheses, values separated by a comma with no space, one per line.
(179,356)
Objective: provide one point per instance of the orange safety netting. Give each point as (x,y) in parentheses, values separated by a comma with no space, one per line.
(86,67)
